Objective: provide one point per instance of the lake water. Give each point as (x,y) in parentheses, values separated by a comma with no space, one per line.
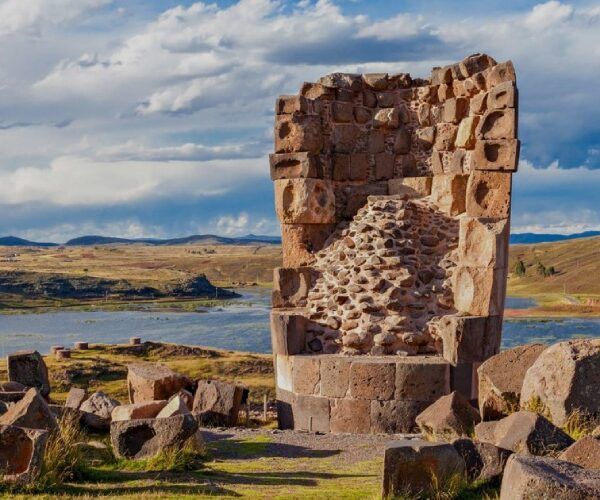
(241,326)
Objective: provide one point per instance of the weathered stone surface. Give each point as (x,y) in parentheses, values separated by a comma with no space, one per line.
(465,137)
(372,380)
(311,413)
(351,198)
(218,403)
(342,112)
(475,63)
(488,195)
(304,201)
(402,141)
(134,411)
(445,136)
(584,452)
(301,241)
(376,81)
(350,415)
(187,397)
(288,332)
(75,398)
(21,453)
(395,416)
(449,417)
(469,338)
(335,376)
(177,406)
(479,291)
(291,286)
(359,167)
(500,73)
(96,411)
(483,461)
(410,464)
(455,109)
(422,378)
(564,378)
(12,397)
(306,374)
(502,96)
(497,124)
(295,166)
(524,432)
(387,118)
(501,378)
(448,192)
(527,477)
(12,387)
(153,381)
(147,437)
(288,104)
(500,155)
(413,187)
(384,166)
(344,137)
(298,133)
(28,368)
(483,242)
(31,412)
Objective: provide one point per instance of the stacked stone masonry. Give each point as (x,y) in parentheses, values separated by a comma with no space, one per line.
(394,197)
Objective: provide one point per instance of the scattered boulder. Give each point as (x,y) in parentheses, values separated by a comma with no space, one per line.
(409,466)
(96,411)
(135,411)
(584,452)
(147,437)
(565,378)
(218,403)
(21,453)
(187,396)
(31,412)
(75,398)
(176,406)
(29,369)
(483,461)
(449,417)
(501,378)
(527,477)
(153,381)
(524,432)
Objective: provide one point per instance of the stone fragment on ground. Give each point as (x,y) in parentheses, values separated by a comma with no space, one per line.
(187,396)
(565,378)
(218,403)
(96,411)
(75,398)
(501,378)
(134,411)
(449,417)
(29,369)
(409,466)
(483,461)
(153,381)
(524,432)
(21,453)
(174,407)
(31,412)
(147,437)
(584,452)
(529,478)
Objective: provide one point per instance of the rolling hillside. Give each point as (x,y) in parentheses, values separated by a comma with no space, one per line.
(576,263)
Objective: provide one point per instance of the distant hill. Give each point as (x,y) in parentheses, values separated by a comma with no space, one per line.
(206,239)
(13,241)
(526,238)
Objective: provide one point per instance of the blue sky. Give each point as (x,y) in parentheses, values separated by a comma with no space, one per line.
(153,118)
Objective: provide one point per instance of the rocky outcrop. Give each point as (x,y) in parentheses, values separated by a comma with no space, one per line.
(527,477)
(501,378)
(565,378)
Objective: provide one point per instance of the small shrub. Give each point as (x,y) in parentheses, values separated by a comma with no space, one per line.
(520,268)
(580,424)
(536,405)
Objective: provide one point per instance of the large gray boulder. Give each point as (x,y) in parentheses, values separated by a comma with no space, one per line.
(483,461)
(565,378)
(29,369)
(31,412)
(96,411)
(147,437)
(75,398)
(21,453)
(153,382)
(501,378)
(410,466)
(524,432)
(218,403)
(531,478)
(584,452)
(449,417)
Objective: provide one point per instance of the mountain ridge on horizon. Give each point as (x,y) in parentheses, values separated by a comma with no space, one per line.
(89,240)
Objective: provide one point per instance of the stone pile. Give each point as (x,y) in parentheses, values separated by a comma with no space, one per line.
(393,195)
(531,454)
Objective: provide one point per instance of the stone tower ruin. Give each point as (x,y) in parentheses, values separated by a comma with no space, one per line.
(393,195)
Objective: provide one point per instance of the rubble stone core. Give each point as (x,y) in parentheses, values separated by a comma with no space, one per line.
(394,198)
